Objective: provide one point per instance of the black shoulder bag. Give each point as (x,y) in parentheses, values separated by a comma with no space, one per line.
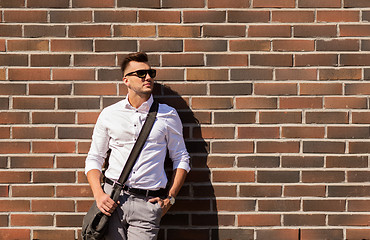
(95,222)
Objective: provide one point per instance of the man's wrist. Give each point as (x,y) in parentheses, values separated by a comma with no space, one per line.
(172,199)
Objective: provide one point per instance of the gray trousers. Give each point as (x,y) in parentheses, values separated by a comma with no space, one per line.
(134,219)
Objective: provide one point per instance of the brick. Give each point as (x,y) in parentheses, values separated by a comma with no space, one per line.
(33,103)
(277,176)
(32,162)
(233,176)
(236,234)
(346,162)
(227,60)
(355,59)
(53,147)
(258,132)
(33,132)
(188,89)
(234,117)
(182,4)
(248,16)
(70,161)
(53,205)
(277,147)
(12,89)
(95,89)
(278,234)
(293,16)
(53,117)
(208,16)
(366,16)
(10,30)
(31,220)
(73,191)
(365,45)
(232,147)
(206,74)
(78,103)
(348,132)
(357,233)
(14,147)
(50,89)
(13,60)
(304,60)
(327,117)
(278,205)
(249,45)
(231,4)
(340,74)
(236,205)
(345,103)
(269,31)
(359,147)
(179,31)
(21,74)
(73,74)
(304,220)
(354,30)
(13,234)
(93,4)
(89,31)
(348,191)
(258,161)
(302,162)
(59,45)
(293,45)
(323,147)
(231,89)
(194,45)
(4,132)
(260,191)
(48,4)
(275,88)
(315,31)
(358,176)
(183,234)
(161,45)
(322,233)
(349,220)
(321,89)
(300,102)
(303,132)
(357,89)
(182,60)
(74,132)
(53,177)
(143,4)
(159,16)
(70,16)
(134,31)
(256,103)
(225,191)
(28,45)
(276,60)
(230,31)
(13,4)
(33,191)
(116,16)
(14,205)
(280,117)
(115,75)
(87,117)
(324,205)
(319,4)
(358,205)
(4,221)
(38,31)
(212,103)
(14,117)
(29,16)
(57,60)
(274,3)
(360,117)
(258,220)
(304,190)
(88,60)
(53,234)
(338,16)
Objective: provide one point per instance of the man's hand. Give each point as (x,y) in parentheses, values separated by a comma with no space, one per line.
(164,203)
(105,204)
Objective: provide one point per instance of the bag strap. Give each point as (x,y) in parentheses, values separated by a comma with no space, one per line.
(144,133)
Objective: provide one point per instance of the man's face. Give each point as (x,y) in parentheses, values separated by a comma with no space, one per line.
(135,84)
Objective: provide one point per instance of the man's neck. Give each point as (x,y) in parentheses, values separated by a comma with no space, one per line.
(136,100)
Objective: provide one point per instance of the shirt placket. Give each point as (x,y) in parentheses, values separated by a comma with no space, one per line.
(137,127)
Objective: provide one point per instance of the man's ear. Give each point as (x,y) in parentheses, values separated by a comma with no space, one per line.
(125,80)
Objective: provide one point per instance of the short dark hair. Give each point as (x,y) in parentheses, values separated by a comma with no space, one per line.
(137,57)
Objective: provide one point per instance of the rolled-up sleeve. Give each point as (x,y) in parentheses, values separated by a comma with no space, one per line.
(99,146)
(175,142)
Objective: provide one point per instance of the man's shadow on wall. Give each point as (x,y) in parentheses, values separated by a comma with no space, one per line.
(194,215)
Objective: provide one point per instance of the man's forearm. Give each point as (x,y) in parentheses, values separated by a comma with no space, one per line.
(178,180)
(93,176)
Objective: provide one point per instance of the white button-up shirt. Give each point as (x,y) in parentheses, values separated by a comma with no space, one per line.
(118,127)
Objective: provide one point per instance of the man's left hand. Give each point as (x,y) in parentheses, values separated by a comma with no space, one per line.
(164,203)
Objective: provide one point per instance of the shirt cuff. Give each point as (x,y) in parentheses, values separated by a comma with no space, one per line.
(182,165)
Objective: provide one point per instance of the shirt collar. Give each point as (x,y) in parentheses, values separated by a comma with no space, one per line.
(143,108)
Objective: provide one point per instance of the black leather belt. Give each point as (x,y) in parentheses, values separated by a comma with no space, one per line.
(141,192)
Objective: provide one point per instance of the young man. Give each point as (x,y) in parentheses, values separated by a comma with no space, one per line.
(144,200)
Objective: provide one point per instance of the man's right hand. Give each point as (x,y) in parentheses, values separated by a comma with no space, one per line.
(105,204)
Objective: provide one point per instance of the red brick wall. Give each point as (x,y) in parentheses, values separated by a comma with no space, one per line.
(273,95)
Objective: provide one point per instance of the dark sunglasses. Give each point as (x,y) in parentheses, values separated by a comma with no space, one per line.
(142,73)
